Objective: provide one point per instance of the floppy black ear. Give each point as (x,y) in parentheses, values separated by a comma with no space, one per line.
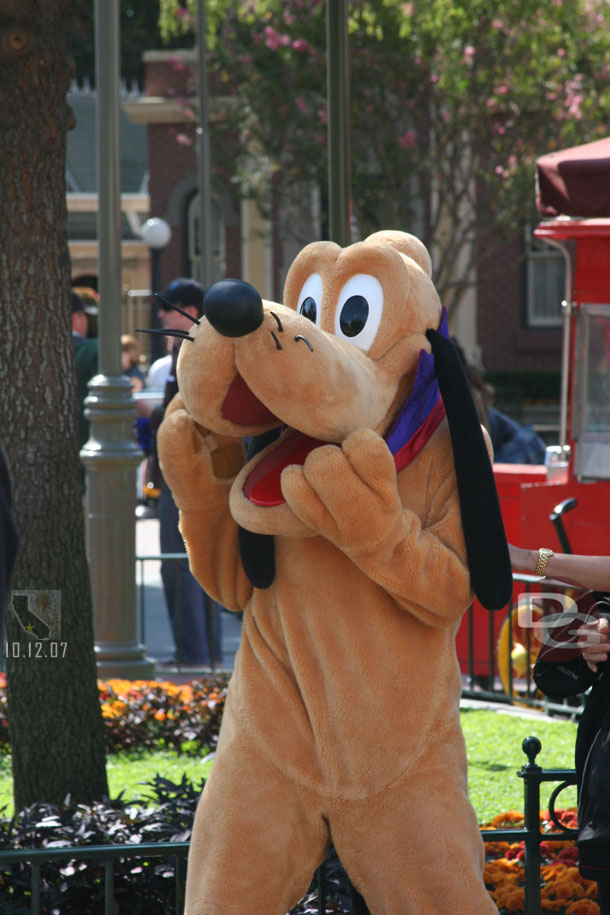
(257,551)
(486,546)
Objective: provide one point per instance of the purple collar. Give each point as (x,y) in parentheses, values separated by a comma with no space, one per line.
(422,411)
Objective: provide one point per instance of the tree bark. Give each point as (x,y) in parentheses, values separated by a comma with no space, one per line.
(56,728)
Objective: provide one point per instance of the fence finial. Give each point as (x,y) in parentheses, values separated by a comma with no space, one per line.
(531,746)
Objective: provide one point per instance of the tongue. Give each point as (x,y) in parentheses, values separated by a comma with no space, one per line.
(262,487)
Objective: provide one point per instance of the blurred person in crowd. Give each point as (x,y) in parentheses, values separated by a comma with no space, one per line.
(90,299)
(512,442)
(195,618)
(130,360)
(160,369)
(86,358)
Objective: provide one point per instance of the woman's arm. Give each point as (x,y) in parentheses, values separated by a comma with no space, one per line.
(590,572)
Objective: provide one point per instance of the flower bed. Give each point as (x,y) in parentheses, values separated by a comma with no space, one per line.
(562,889)
(147,714)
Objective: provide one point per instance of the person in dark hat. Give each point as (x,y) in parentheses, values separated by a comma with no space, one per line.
(195,618)
(86,357)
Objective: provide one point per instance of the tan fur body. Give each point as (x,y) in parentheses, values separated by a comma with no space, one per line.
(342,720)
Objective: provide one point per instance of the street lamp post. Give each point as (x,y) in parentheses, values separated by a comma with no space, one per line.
(156,233)
(111,455)
(337,53)
(203,138)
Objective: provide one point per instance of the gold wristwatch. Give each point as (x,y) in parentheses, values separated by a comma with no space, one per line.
(543,557)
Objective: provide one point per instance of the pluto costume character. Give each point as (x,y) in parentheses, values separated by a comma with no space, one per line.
(353,543)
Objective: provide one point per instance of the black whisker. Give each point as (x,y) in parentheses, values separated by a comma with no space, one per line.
(305,340)
(169,304)
(279,323)
(278,345)
(166,333)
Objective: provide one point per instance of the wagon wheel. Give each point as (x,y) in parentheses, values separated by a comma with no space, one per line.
(514,641)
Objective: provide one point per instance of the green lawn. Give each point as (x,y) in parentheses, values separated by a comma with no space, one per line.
(131,774)
(493,740)
(126,772)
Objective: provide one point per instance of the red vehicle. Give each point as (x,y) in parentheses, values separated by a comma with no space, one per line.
(574,192)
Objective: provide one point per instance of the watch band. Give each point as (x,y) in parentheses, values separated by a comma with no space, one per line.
(543,557)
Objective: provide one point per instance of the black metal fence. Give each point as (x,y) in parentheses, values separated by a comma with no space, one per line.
(106,855)
(530,833)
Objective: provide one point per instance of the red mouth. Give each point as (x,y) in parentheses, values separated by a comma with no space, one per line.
(243,408)
(263,485)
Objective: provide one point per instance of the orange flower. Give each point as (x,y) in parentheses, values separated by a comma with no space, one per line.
(511,899)
(568,818)
(502,870)
(496,849)
(110,711)
(508,819)
(583,907)
(553,871)
(590,889)
(562,889)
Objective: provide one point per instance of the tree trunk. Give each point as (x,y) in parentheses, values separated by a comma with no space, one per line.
(56,728)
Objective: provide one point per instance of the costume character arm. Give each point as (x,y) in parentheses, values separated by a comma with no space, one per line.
(350,496)
(199,468)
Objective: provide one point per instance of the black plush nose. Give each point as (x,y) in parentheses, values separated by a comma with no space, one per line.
(233,308)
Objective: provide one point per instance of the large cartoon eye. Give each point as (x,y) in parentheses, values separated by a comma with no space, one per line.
(310,298)
(359,310)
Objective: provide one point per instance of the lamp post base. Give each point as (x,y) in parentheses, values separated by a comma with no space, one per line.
(127,662)
(111,457)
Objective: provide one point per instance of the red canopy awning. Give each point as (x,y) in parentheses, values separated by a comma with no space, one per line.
(575,181)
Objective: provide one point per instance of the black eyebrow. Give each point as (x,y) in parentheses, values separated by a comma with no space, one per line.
(279,323)
(305,340)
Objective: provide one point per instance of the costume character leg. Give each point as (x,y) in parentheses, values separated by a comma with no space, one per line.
(415,848)
(257,838)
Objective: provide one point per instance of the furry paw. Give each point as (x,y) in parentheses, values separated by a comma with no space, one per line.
(347,494)
(192,457)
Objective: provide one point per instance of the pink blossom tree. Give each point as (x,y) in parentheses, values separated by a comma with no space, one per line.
(451,103)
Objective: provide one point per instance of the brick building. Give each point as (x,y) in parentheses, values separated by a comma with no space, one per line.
(244,244)
(511,334)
